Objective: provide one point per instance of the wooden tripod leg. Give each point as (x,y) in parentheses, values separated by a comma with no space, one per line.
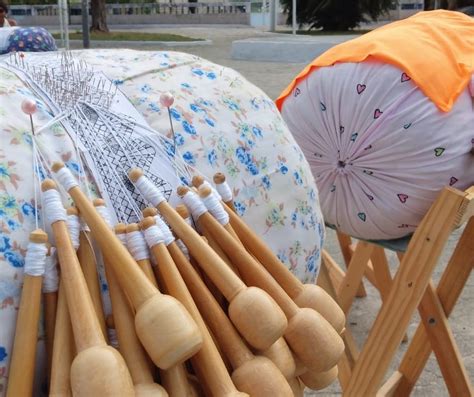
(406,293)
(449,289)
(382,275)
(345,242)
(351,351)
(355,271)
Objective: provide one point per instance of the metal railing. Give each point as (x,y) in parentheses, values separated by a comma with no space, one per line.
(176,8)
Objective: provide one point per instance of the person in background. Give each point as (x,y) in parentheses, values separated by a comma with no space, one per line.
(4,21)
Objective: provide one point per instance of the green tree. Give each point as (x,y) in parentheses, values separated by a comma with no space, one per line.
(335,15)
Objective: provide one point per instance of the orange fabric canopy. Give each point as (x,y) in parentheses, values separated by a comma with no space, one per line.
(434,48)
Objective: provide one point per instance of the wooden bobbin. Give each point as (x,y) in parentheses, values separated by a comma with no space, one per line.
(219,178)
(321,380)
(63,350)
(138,363)
(251,374)
(282,357)
(182,210)
(22,364)
(257,376)
(309,335)
(50,304)
(164,327)
(86,256)
(95,361)
(297,387)
(304,295)
(254,313)
(207,362)
(143,264)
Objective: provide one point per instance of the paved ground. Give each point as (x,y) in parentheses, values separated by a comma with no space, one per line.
(273,78)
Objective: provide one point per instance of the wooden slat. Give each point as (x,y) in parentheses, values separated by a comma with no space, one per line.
(443,344)
(355,271)
(407,290)
(382,275)
(389,387)
(345,242)
(449,289)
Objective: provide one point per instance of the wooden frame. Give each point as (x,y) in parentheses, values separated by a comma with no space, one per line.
(361,373)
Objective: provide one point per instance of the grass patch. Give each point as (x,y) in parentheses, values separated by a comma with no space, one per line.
(326,32)
(129,36)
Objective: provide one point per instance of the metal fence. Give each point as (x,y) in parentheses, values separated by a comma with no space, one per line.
(133,9)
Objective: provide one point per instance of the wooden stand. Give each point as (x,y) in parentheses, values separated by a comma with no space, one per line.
(412,288)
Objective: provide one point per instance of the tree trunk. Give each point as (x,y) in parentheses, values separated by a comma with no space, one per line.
(99,16)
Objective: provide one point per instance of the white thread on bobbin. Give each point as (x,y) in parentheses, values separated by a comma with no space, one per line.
(149,191)
(74,226)
(137,245)
(123,238)
(66,179)
(213,189)
(113,339)
(225,191)
(216,209)
(194,204)
(35,259)
(104,213)
(183,248)
(167,235)
(53,206)
(84,226)
(154,236)
(50,279)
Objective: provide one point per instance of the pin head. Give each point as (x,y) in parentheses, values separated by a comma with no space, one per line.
(28,106)
(167,99)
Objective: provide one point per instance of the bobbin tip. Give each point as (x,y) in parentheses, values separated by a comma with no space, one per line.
(219,178)
(135,174)
(38,236)
(197,180)
(57,165)
(147,222)
(120,228)
(48,184)
(149,211)
(132,227)
(182,190)
(98,202)
(204,191)
(182,210)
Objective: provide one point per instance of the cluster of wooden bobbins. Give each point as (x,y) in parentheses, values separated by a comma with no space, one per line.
(220,299)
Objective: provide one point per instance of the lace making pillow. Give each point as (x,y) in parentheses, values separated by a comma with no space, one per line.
(380,150)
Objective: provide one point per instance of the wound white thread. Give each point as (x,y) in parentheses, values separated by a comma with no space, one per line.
(123,238)
(213,189)
(149,191)
(113,340)
(194,204)
(225,191)
(66,179)
(216,209)
(154,236)
(183,248)
(74,226)
(104,213)
(84,226)
(35,259)
(165,230)
(53,206)
(137,245)
(50,279)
